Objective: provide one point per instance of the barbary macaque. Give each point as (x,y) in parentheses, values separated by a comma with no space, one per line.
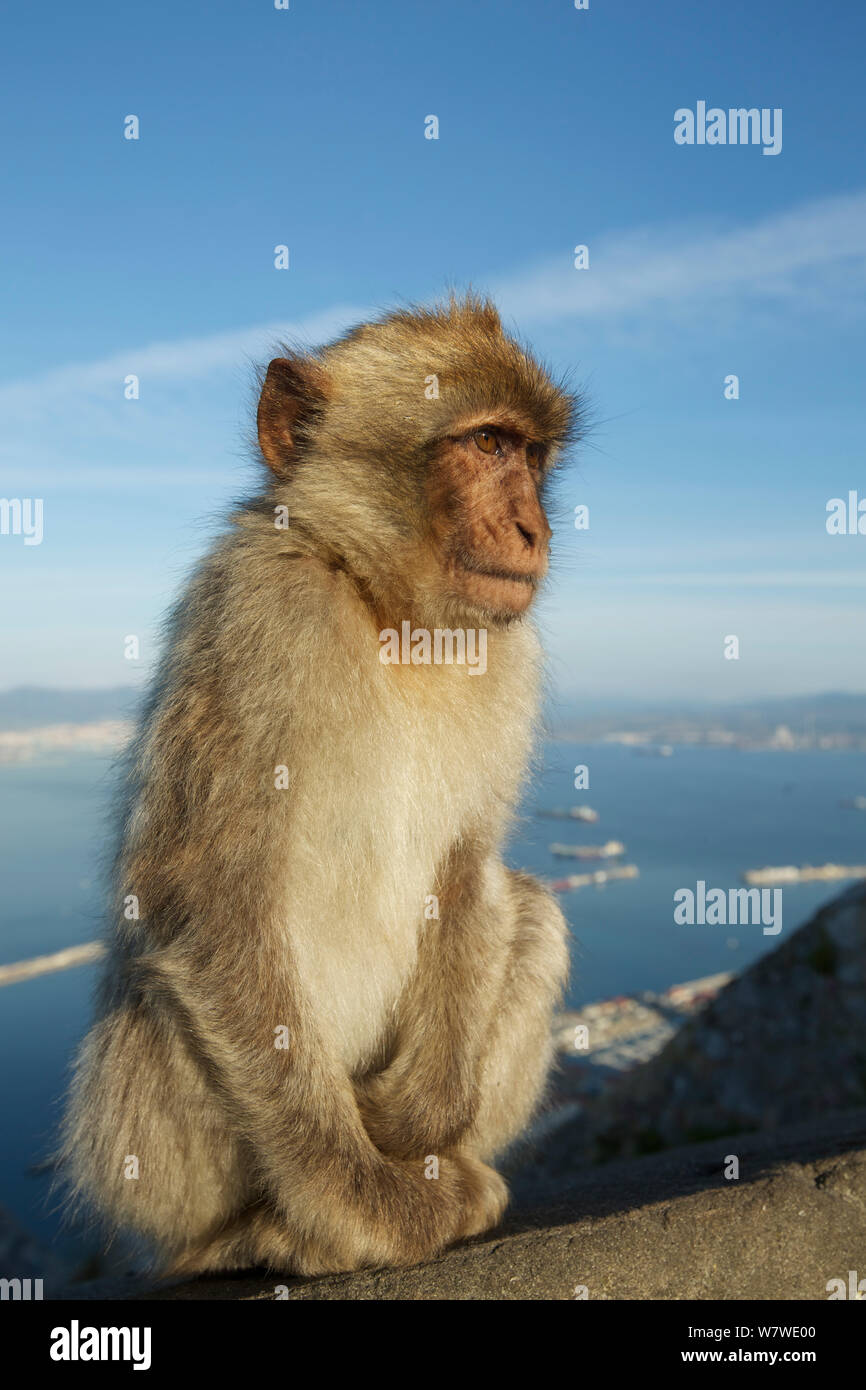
(327,1008)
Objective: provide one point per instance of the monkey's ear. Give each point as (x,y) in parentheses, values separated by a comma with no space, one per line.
(294,389)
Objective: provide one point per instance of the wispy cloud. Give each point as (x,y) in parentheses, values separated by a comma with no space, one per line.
(786,256)
(180,360)
(71,428)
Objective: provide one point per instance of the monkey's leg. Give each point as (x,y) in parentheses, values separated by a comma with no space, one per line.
(261,1237)
(144,1141)
(519,1051)
(148,1143)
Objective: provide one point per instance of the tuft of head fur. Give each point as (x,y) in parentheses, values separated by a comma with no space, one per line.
(380,371)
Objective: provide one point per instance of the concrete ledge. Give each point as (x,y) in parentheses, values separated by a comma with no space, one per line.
(668,1226)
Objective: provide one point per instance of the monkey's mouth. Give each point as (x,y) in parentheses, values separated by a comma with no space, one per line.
(503,590)
(476,567)
(513,576)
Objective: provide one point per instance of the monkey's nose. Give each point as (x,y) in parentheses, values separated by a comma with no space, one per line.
(529,533)
(533,531)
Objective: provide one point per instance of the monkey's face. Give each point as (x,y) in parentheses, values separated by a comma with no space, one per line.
(429,500)
(489,531)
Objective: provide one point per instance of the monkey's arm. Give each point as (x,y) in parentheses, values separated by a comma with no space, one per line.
(426,1099)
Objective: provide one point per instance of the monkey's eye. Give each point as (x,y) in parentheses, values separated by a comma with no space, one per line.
(486,441)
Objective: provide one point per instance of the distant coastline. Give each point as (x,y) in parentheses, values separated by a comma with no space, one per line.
(28,745)
(832,722)
(781,740)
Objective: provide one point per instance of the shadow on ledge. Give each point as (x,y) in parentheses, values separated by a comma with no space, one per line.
(669,1226)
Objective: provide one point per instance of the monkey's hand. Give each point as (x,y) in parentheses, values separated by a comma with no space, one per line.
(414,1209)
(402,1126)
(488,1200)
(457,1196)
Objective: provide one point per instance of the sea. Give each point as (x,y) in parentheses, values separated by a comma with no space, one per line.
(701,814)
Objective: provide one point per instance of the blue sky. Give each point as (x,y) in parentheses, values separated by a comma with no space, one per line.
(306,127)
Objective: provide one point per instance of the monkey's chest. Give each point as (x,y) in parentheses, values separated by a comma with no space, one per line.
(361,877)
(354,934)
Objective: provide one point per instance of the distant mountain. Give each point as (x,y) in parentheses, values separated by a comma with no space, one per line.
(831,719)
(32,706)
